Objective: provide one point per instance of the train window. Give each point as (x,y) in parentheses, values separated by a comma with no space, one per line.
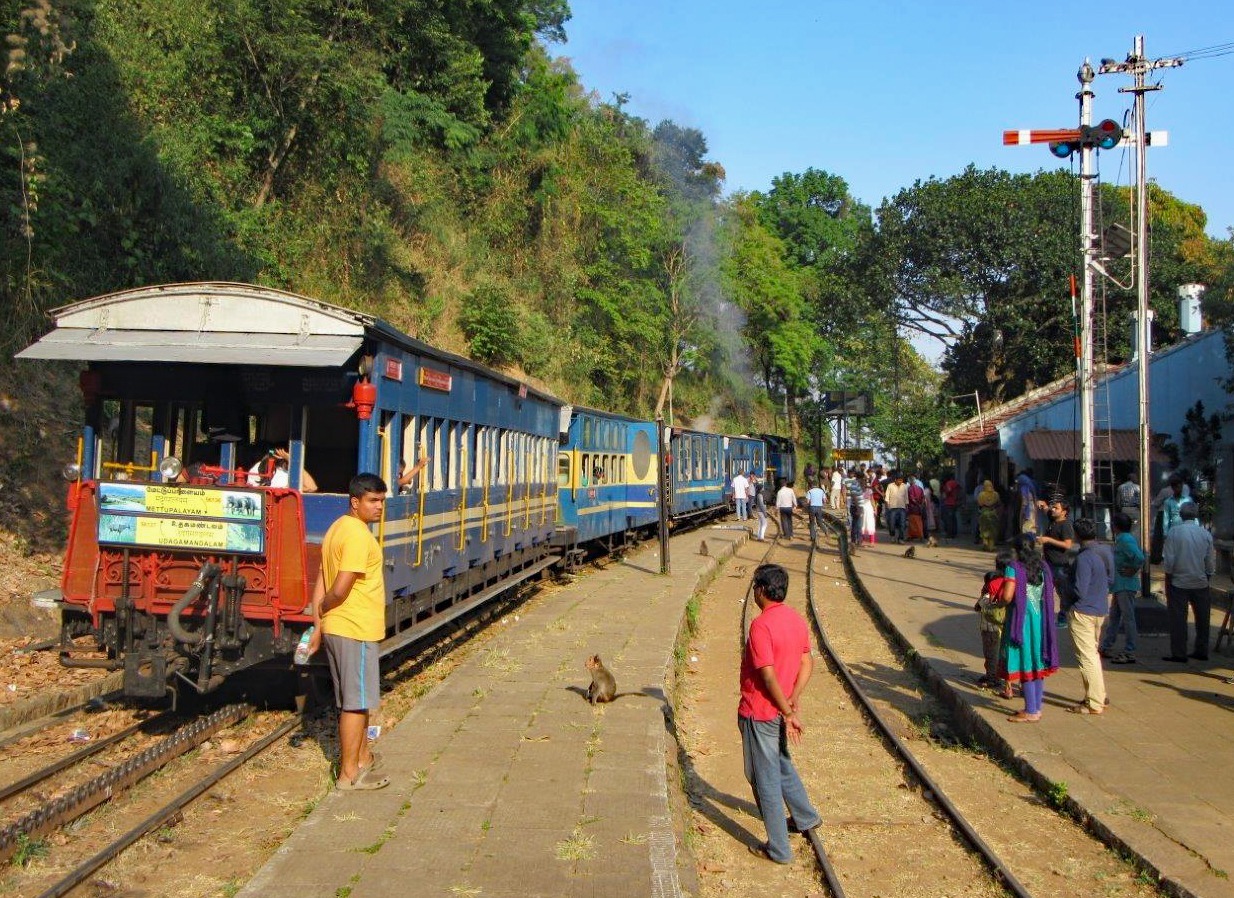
(641,454)
(621,469)
(683,459)
(563,471)
(408,453)
(454,477)
(587,431)
(425,444)
(697,457)
(471,453)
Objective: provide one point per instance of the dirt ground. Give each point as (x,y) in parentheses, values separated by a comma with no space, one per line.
(882,838)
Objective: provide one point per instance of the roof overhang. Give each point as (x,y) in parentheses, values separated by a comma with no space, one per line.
(204,323)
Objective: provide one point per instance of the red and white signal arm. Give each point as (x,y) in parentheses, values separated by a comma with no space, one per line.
(435,380)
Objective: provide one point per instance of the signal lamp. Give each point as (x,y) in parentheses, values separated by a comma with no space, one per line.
(1063,149)
(170,467)
(71,471)
(1106,134)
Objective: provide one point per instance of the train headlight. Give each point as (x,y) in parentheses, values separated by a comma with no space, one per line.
(71,471)
(170,467)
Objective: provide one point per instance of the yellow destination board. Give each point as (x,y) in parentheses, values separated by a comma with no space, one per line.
(182,533)
(852,454)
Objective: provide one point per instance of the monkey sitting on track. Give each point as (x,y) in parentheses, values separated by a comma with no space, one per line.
(603,686)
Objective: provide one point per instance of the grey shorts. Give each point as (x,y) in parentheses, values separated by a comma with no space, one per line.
(355,671)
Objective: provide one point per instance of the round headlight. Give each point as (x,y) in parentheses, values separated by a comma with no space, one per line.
(72,471)
(170,467)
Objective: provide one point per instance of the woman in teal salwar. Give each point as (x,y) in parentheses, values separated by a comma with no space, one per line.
(1029,649)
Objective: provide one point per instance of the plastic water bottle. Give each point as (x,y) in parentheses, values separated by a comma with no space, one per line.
(302,648)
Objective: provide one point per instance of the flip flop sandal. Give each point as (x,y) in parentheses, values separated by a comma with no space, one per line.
(362,783)
(1123,659)
(1021,717)
(1083,709)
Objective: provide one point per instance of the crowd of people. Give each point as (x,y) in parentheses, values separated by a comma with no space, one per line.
(1054,574)
(909,507)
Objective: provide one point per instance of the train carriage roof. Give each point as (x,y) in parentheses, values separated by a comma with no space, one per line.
(225,324)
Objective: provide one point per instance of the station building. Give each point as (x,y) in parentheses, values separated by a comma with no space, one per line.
(1041,429)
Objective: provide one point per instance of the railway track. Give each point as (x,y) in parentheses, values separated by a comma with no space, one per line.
(931,793)
(69,804)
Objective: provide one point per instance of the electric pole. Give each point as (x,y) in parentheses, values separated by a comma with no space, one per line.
(1138,66)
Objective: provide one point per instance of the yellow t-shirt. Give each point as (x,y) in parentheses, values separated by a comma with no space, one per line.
(350,546)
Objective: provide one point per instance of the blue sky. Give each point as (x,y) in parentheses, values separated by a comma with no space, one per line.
(883,94)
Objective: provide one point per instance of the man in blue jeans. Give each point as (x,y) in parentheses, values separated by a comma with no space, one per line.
(775,667)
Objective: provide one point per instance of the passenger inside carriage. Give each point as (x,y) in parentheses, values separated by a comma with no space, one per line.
(407,480)
(273,470)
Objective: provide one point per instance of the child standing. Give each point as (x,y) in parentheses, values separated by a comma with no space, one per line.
(992,614)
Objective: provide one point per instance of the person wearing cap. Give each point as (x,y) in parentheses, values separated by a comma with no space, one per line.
(1189,561)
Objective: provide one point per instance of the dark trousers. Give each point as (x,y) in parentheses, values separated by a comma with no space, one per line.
(950,524)
(786,522)
(897,523)
(1177,601)
(816,521)
(854,524)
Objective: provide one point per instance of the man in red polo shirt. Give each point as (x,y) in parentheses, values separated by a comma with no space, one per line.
(775,668)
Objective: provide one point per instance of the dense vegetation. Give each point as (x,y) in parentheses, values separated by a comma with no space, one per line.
(430,161)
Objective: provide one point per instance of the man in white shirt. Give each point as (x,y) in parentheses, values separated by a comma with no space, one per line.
(786,501)
(896,501)
(1189,564)
(741,495)
(836,480)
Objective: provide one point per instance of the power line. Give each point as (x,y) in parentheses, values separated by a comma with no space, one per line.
(1206,52)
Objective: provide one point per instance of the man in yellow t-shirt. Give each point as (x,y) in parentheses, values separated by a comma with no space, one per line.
(349,617)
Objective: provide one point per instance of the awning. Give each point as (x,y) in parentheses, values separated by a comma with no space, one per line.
(209,347)
(1064,445)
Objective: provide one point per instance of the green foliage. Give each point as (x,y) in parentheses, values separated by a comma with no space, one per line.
(490,322)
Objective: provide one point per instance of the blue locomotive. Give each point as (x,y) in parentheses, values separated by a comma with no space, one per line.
(223,423)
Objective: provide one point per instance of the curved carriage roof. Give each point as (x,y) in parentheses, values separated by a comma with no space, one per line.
(224,324)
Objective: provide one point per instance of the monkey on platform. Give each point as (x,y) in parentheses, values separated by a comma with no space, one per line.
(603,686)
(910,552)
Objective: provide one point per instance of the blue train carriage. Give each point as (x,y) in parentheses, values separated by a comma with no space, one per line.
(742,455)
(189,388)
(606,478)
(697,475)
(781,458)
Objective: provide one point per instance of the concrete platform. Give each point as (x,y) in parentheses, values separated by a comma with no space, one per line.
(505,781)
(1149,772)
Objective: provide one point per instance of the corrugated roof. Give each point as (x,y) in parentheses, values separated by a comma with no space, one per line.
(984,427)
(1064,445)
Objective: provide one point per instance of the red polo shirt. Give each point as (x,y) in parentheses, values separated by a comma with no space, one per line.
(779,637)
